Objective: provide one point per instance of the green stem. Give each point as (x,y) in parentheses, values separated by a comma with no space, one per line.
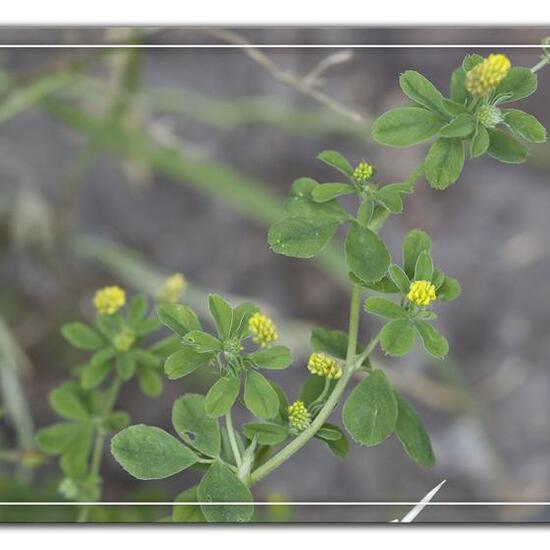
(232,439)
(99,444)
(542,63)
(297,443)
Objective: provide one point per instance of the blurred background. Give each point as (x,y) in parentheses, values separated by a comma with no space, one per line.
(123,166)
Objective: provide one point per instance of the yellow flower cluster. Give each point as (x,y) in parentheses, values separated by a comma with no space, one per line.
(109,300)
(124,340)
(487,75)
(173,288)
(322,364)
(263,330)
(421,293)
(363,172)
(298,416)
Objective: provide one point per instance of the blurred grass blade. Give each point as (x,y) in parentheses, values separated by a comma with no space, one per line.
(409,517)
(13,366)
(246,195)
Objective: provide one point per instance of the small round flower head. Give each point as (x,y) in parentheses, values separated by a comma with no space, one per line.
(322,364)
(363,172)
(263,330)
(298,416)
(489,116)
(487,75)
(109,300)
(173,288)
(421,293)
(124,340)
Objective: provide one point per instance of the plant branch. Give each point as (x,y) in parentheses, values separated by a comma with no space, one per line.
(232,439)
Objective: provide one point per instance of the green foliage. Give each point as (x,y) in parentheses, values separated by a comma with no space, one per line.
(222,395)
(259,396)
(366,255)
(370,411)
(147,452)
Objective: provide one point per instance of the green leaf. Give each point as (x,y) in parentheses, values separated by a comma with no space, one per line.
(70,401)
(178,318)
(74,459)
(147,326)
(220,484)
(335,439)
(150,381)
(241,315)
(116,421)
(266,434)
(329,191)
(454,108)
(184,362)
(444,162)
(397,337)
(222,395)
(385,284)
(300,237)
(458,91)
(336,160)
(194,426)
(259,397)
(311,389)
(137,310)
(202,342)
(188,514)
(102,356)
(82,336)
(370,412)
(56,438)
(92,375)
(521,82)
(222,313)
(414,244)
(365,212)
(274,358)
(413,436)
(301,204)
(505,148)
(146,358)
(449,290)
(438,277)
(424,267)
(460,127)
(147,452)
(366,255)
(333,342)
(422,91)
(390,199)
(384,308)
(434,343)
(525,125)
(480,142)
(406,126)
(400,278)
(125,365)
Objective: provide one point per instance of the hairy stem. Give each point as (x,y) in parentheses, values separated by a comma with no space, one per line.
(99,444)
(232,439)
(297,443)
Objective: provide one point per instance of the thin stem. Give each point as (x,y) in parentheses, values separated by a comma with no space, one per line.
(232,439)
(297,443)
(543,62)
(99,444)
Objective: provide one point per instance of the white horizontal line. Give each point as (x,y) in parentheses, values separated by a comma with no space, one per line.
(403,503)
(270,46)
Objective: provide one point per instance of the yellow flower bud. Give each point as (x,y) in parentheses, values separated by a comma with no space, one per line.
(487,75)
(124,340)
(324,365)
(421,293)
(263,330)
(298,416)
(173,288)
(363,172)
(109,300)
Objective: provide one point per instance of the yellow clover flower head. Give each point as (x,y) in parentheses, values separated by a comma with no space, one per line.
(173,288)
(298,416)
(109,300)
(363,172)
(487,75)
(124,340)
(263,330)
(322,364)
(421,293)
